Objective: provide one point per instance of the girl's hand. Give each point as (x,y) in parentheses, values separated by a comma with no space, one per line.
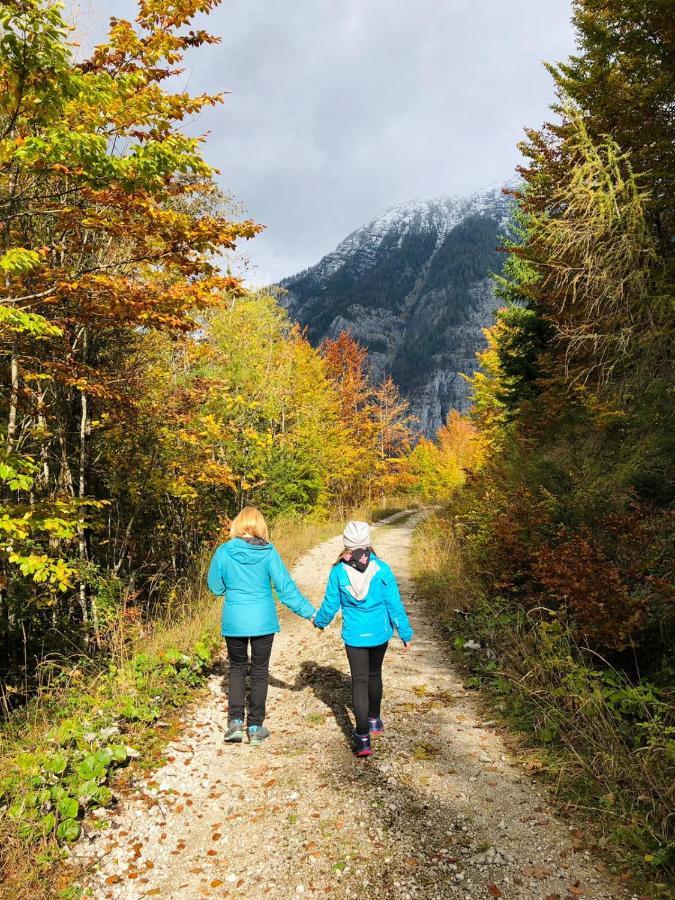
(405,647)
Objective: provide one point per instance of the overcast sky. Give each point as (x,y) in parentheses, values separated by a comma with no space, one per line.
(339,109)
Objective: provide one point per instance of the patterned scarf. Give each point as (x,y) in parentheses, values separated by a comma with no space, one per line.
(358,559)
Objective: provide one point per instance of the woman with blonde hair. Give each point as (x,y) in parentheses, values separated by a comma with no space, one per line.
(243,572)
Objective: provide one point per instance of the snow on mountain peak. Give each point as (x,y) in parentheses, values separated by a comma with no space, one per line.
(422,214)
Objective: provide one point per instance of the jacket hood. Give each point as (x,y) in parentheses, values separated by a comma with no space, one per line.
(359,582)
(247,554)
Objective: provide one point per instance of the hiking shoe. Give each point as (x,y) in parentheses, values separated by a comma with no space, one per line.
(361,744)
(376,726)
(234,733)
(257,734)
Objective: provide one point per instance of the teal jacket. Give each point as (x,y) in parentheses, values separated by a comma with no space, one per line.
(244,575)
(371,621)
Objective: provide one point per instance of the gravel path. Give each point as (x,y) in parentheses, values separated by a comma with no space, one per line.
(439,810)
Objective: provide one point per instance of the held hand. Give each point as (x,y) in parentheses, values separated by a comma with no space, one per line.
(406,647)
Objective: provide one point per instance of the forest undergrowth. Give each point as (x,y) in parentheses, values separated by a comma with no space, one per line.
(600,737)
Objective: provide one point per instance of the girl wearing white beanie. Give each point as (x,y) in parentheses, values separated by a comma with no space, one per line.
(364,588)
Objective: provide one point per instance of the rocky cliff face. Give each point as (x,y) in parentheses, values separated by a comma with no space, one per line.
(413,287)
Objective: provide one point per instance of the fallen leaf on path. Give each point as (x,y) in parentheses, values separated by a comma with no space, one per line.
(216,836)
(536,871)
(425,751)
(216,882)
(113,879)
(494,891)
(576,890)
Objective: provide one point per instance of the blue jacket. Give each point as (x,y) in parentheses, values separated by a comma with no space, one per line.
(244,574)
(367,622)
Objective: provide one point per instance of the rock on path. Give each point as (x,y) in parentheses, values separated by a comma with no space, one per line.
(439,810)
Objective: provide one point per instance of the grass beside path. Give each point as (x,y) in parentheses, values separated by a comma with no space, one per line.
(604,744)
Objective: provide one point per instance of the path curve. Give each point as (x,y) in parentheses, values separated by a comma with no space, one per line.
(439,811)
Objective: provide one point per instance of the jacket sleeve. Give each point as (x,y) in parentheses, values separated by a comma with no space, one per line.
(331,601)
(216,576)
(395,608)
(286,588)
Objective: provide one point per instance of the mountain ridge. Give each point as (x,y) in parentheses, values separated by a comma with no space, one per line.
(413,286)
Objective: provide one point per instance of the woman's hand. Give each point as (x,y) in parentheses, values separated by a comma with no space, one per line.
(406,646)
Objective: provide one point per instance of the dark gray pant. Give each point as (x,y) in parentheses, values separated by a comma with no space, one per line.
(366,667)
(237,653)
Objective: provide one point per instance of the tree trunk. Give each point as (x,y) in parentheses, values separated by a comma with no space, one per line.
(44,454)
(81,493)
(13,396)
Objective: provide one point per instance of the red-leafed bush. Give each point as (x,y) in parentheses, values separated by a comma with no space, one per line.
(607,577)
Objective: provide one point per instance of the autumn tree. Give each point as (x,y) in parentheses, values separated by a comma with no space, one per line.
(346,367)
(439,467)
(395,432)
(571,399)
(377,419)
(100,240)
(621,79)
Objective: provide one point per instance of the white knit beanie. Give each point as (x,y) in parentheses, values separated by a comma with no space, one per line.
(356,534)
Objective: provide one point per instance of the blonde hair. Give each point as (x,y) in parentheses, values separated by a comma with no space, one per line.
(249,523)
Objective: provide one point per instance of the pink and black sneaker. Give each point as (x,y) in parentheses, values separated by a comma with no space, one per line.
(361,744)
(376,726)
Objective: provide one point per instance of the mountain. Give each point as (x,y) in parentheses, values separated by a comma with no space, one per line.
(413,287)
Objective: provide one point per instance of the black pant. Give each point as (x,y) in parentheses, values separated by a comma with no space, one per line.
(237,653)
(366,667)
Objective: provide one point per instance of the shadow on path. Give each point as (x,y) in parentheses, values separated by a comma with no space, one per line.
(330,686)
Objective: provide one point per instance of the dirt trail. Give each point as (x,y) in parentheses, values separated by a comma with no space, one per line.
(439,810)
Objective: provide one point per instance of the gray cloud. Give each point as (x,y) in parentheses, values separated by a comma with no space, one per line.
(339,110)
